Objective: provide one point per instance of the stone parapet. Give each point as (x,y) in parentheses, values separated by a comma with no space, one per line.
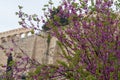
(14,34)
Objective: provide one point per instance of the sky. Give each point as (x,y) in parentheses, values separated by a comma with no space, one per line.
(8,19)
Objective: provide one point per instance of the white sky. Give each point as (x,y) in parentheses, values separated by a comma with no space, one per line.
(8,19)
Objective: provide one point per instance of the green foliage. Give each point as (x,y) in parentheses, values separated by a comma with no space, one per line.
(62,48)
(48,39)
(12,63)
(63,63)
(32,31)
(53,17)
(90,77)
(45,28)
(20,7)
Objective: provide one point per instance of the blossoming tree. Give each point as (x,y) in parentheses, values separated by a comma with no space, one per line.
(90,42)
(89,37)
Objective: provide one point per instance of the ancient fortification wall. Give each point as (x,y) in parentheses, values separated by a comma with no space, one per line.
(32,45)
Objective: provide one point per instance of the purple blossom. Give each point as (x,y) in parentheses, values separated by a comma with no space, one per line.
(11,49)
(91,43)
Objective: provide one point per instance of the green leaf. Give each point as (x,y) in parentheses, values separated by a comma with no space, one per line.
(38,70)
(92,2)
(43,9)
(75,4)
(90,77)
(72,78)
(32,31)
(56,18)
(16,13)
(34,19)
(20,7)
(46,5)
(48,39)
(11,63)
(50,2)
(62,63)
(62,49)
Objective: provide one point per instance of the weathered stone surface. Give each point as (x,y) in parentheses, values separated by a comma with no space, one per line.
(22,41)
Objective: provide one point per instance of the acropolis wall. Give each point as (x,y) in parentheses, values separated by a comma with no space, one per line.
(33,45)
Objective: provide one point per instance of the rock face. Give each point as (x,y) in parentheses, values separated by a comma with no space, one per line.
(22,41)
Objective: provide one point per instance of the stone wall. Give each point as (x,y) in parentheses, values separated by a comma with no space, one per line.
(32,45)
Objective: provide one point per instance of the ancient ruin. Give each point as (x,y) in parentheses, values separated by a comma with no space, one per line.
(32,45)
